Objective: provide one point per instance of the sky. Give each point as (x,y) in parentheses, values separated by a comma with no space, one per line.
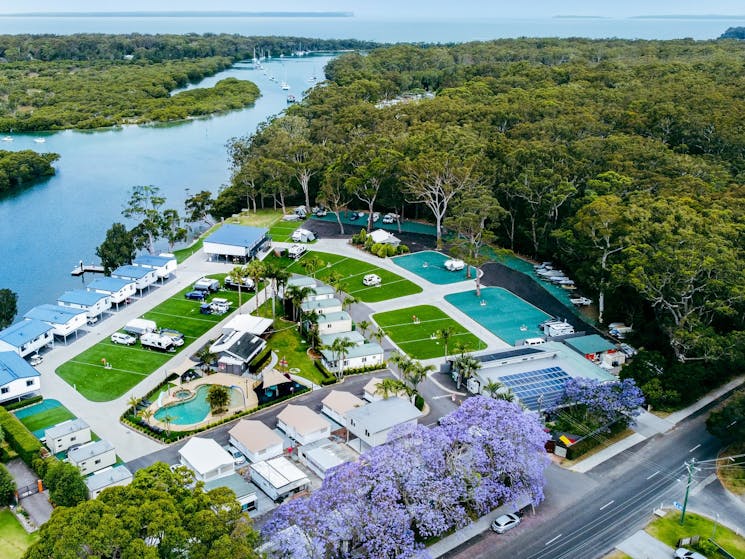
(424,9)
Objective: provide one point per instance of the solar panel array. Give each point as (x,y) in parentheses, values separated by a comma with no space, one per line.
(507,354)
(532,385)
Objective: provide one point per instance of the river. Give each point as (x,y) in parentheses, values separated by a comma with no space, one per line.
(47,229)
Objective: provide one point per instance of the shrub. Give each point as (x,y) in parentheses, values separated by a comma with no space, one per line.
(419,402)
(403,249)
(390,250)
(10,406)
(375,248)
(7,487)
(19,438)
(368,243)
(260,360)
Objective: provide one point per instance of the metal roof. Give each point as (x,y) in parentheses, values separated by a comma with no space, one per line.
(111,285)
(24,331)
(89,450)
(135,272)
(81,297)
(541,388)
(362,350)
(205,455)
(153,260)
(589,344)
(234,482)
(384,414)
(66,428)
(507,354)
(107,477)
(334,316)
(317,304)
(54,314)
(13,367)
(238,235)
(353,336)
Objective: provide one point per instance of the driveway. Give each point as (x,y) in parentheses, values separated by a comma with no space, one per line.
(37,505)
(643,546)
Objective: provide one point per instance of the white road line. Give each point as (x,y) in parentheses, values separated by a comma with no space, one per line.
(694,448)
(609,503)
(654,474)
(549,542)
(441,397)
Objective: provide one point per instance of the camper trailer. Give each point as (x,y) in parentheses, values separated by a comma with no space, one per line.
(140,326)
(157,342)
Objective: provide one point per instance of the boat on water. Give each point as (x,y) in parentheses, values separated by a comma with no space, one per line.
(39,140)
(285,86)
(7,139)
(291,98)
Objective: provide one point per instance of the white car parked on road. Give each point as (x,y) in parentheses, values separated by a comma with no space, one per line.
(123,339)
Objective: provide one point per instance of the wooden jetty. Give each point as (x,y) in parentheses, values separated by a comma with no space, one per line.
(81,269)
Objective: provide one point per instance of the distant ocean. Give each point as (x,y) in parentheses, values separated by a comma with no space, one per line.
(385,30)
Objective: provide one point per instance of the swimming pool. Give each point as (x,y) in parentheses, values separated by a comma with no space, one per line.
(194,409)
(430,265)
(502,313)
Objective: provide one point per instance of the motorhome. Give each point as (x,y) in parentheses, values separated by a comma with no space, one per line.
(296,251)
(207,284)
(157,342)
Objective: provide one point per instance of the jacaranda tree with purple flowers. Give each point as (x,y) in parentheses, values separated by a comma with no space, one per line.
(422,483)
(596,403)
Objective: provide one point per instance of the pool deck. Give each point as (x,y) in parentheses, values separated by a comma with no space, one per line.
(243,384)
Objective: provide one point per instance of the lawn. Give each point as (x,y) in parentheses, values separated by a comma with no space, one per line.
(128,365)
(416,338)
(286,342)
(669,531)
(282,231)
(46,418)
(351,271)
(14,540)
(732,478)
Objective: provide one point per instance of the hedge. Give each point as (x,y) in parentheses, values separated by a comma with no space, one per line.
(583,446)
(258,363)
(10,406)
(21,439)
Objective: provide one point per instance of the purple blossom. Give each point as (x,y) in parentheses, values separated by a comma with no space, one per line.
(422,483)
(605,401)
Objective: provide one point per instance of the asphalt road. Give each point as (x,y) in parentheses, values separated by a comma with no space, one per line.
(624,493)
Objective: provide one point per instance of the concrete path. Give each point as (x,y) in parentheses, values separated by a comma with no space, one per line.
(643,546)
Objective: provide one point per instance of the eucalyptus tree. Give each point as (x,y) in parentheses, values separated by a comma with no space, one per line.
(144,206)
(8,307)
(334,194)
(198,207)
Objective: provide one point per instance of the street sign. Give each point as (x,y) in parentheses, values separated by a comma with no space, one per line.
(677,505)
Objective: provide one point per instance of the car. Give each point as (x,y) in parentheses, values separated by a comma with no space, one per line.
(376,217)
(237,455)
(390,218)
(683,553)
(36,359)
(354,216)
(371,280)
(320,212)
(628,350)
(92,320)
(175,335)
(505,522)
(196,295)
(123,339)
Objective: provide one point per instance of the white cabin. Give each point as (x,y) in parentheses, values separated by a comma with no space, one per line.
(93,456)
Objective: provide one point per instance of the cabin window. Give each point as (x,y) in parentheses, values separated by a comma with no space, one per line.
(4,390)
(29,383)
(73,439)
(97,461)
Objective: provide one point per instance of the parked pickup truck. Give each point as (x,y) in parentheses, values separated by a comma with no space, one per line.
(157,342)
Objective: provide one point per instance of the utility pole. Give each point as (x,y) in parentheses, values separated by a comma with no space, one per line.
(690,466)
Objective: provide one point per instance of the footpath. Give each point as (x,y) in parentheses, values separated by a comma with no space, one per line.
(647,426)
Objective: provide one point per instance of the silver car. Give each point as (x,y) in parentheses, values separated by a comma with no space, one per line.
(505,522)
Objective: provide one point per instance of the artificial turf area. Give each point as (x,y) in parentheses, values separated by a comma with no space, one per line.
(14,540)
(128,365)
(281,231)
(351,271)
(417,338)
(45,418)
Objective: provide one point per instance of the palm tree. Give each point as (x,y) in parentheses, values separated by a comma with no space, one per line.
(466,366)
(444,335)
(389,387)
(402,363)
(493,387)
(297,294)
(281,276)
(460,347)
(132,402)
(312,264)
(239,275)
(340,348)
(146,415)
(349,300)
(167,419)
(415,374)
(218,397)
(334,280)
(363,325)
(256,270)
(378,335)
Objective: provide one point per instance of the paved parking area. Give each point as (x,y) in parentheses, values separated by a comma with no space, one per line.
(37,506)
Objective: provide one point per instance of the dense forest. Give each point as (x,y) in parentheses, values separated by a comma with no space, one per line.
(50,82)
(22,168)
(622,159)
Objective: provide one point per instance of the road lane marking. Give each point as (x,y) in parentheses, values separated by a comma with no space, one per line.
(694,448)
(609,503)
(549,542)
(654,474)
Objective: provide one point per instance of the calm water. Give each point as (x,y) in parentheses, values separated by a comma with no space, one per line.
(389,30)
(196,409)
(47,229)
